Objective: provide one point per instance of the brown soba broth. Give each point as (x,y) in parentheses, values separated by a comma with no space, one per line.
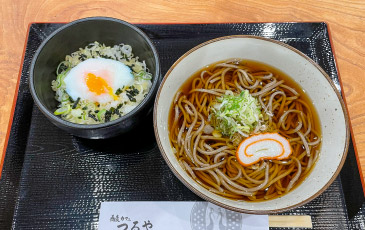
(228,103)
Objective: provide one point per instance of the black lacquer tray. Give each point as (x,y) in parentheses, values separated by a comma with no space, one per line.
(52,180)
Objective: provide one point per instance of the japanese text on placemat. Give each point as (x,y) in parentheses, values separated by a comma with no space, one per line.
(125,223)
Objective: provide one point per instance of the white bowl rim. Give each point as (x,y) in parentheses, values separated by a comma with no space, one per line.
(207,198)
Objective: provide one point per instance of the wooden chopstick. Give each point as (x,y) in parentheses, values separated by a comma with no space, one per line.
(290,221)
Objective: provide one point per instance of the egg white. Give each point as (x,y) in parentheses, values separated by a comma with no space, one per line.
(115,73)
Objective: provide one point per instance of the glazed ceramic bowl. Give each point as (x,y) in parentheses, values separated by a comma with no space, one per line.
(313,80)
(70,38)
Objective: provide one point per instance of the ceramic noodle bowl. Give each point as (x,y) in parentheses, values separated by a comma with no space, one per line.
(314,82)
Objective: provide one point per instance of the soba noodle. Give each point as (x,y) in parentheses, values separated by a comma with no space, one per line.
(210,157)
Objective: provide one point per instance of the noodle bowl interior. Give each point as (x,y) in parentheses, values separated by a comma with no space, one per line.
(244,130)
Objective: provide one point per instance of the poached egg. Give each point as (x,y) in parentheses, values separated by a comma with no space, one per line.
(97,80)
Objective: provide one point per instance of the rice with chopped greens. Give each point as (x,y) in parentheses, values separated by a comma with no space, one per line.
(126,98)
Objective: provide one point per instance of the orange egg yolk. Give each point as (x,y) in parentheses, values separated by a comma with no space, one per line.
(98,85)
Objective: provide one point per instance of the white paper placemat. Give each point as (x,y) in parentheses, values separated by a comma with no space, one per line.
(161,215)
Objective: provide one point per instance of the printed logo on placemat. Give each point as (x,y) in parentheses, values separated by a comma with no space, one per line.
(207,216)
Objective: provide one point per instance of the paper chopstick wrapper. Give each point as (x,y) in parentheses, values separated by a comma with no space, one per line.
(140,215)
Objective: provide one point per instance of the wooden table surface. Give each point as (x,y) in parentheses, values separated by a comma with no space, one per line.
(345,18)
